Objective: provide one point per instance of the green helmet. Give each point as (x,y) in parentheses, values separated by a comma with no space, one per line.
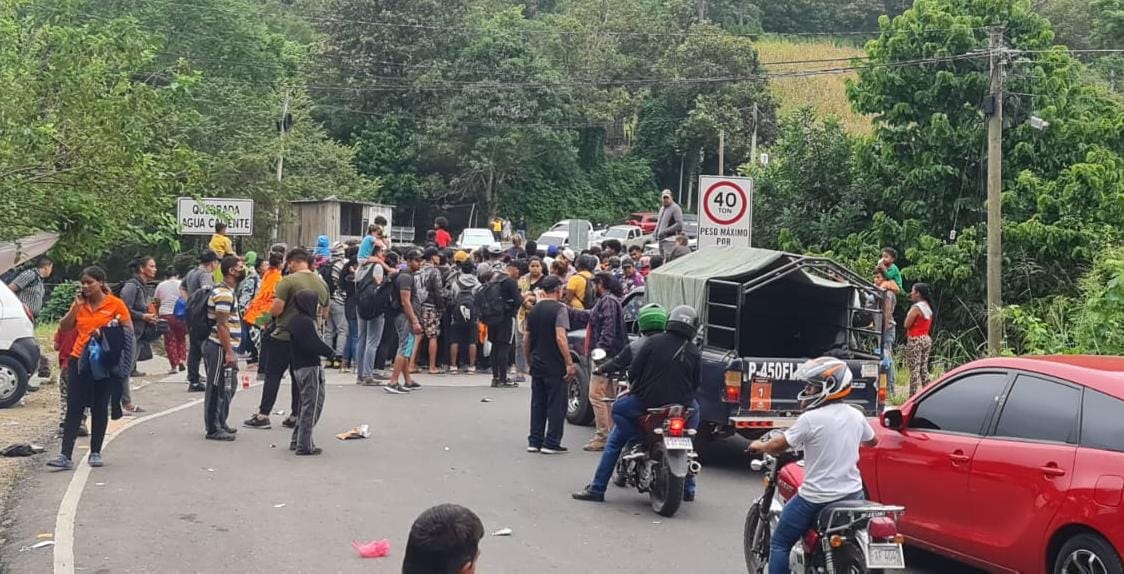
(651,318)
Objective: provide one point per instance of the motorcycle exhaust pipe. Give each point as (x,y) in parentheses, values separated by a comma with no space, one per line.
(694,467)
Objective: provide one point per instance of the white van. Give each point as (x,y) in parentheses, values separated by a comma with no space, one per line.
(19,350)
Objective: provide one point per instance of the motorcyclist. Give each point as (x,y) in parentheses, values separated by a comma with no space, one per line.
(665,370)
(829,432)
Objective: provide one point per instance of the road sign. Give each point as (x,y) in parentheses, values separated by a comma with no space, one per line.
(725,211)
(199,217)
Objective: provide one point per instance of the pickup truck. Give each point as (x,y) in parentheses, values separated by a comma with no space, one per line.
(763,314)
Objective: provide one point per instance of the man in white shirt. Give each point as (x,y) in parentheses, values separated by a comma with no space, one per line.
(830,433)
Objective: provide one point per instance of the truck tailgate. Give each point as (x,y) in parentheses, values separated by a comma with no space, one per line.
(767,396)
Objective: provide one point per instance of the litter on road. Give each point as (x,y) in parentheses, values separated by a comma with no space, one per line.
(21,449)
(372,549)
(282,505)
(361,431)
(502,532)
(486,400)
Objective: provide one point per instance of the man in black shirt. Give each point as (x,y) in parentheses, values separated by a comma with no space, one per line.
(664,371)
(407,323)
(548,353)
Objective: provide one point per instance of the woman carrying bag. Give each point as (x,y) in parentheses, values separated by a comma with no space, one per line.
(102,359)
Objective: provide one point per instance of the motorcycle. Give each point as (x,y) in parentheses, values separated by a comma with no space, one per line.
(850,536)
(664,457)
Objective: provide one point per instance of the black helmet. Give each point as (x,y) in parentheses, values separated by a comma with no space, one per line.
(683,320)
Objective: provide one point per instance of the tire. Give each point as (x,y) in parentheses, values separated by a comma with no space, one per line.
(666,494)
(850,560)
(579,411)
(1093,552)
(13,381)
(753,563)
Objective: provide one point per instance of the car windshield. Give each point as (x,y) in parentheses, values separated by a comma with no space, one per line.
(476,237)
(550,240)
(617,233)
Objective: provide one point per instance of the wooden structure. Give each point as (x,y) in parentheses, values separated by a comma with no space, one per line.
(339,219)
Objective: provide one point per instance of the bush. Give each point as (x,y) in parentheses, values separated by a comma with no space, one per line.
(58,302)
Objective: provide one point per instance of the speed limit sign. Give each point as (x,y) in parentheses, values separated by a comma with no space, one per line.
(725,206)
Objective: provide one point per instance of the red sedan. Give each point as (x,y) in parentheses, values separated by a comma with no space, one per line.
(1011,464)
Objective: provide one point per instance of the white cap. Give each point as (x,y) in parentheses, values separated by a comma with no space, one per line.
(568,254)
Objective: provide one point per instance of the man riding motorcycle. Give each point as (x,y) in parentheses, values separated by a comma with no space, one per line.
(665,370)
(829,432)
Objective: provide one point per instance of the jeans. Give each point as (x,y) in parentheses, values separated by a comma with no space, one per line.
(548,411)
(194,357)
(797,517)
(335,330)
(627,411)
(368,335)
(349,350)
(217,397)
(887,343)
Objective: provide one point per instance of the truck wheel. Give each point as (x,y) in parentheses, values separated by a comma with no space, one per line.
(13,381)
(579,411)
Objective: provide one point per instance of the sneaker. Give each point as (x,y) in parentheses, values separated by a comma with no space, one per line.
(510,385)
(520,379)
(554,450)
(61,461)
(289,422)
(315,451)
(534,448)
(229,430)
(136,374)
(371,382)
(196,388)
(495,383)
(82,430)
(396,389)
(413,386)
(220,435)
(381,374)
(587,494)
(594,446)
(95,460)
(256,422)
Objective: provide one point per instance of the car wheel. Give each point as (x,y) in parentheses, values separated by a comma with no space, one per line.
(13,381)
(579,411)
(1087,554)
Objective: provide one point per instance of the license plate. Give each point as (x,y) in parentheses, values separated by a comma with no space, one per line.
(885,556)
(677,443)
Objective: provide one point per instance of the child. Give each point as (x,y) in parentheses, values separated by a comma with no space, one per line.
(308,375)
(889,256)
(64,344)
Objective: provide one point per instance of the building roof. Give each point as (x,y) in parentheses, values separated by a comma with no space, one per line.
(332,198)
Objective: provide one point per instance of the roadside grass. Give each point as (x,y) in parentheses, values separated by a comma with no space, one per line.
(826,94)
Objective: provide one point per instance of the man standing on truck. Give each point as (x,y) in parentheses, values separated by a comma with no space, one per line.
(665,371)
(668,224)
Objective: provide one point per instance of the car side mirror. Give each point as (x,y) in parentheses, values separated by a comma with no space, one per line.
(893,419)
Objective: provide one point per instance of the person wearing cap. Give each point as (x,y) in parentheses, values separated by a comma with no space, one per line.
(630,277)
(432,306)
(644,266)
(669,223)
(501,328)
(202,277)
(407,323)
(548,353)
(491,261)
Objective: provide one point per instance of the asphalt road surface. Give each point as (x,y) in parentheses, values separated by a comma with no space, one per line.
(170,501)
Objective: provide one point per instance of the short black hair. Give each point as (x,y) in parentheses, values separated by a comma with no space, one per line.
(371,228)
(441,223)
(229,262)
(635,247)
(169,272)
(381,221)
(893,253)
(220,227)
(430,253)
(414,255)
(442,540)
(297,254)
(207,257)
(431,234)
(43,262)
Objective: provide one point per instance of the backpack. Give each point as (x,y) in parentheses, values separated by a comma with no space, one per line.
(325,272)
(421,284)
(589,299)
(198,325)
(464,307)
(490,304)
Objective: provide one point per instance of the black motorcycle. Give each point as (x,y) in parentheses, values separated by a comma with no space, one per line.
(664,457)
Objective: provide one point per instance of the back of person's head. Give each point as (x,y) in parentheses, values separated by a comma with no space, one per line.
(207,257)
(381,221)
(276,259)
(467,266)
(655,261)
(297,255)
(445,539)
(169,272)
(220,227)
(229,262)
(441,222)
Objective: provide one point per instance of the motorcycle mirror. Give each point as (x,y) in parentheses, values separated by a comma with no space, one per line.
(892,419)
(598,355)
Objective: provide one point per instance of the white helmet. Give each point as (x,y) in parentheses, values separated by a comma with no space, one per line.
(826,379)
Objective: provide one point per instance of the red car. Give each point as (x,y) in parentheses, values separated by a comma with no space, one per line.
(1010,464)
(645,220)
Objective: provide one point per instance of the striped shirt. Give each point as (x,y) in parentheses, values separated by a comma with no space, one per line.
(30,290)
(222,301)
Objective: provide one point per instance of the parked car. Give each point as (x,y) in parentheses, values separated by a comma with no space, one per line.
(475,238)
(1011,464)
(646,220)
(691,226)
(560,239)
(19,350)
(628,235)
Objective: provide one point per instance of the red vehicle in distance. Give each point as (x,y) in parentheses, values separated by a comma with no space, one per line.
(646,220)
(1010,464)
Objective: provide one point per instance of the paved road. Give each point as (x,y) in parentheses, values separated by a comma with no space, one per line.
(169,501)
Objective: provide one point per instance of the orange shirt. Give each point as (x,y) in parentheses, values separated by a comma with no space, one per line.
(264,298)
(90,319)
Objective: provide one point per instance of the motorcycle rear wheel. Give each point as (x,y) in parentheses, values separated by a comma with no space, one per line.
(850,560)
(754,564)
(667,490)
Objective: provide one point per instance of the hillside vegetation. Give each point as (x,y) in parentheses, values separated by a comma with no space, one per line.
(825,94)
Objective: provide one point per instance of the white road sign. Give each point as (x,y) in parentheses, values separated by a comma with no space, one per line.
(725,211)
(199,217)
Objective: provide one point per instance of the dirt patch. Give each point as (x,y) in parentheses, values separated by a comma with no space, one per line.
(35,422)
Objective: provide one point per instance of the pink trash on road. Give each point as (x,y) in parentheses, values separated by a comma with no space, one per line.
(373,549)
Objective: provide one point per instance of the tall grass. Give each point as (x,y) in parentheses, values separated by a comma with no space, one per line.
(826,94)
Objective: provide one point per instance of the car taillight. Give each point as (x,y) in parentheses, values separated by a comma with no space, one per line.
(675,426)
(882,528)
(733,386)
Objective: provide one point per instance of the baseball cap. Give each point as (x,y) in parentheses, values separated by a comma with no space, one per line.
(494,249)
(551,283)
(461,257)
(568,254)
(666,193)
(413,255)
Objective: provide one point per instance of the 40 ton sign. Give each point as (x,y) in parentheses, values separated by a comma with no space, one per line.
(726,211)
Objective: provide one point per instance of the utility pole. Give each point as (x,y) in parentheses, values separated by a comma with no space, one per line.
(682,158)
(995,196)
(283,129)
(721,152)
(753,141)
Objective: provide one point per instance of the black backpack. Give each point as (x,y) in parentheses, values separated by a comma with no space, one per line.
(198,325)
(490,304)
(464,308)
(325,272)
(374,300)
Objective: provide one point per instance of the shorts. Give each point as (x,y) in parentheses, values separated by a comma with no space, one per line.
(463,333)
(431,321)
(406,337)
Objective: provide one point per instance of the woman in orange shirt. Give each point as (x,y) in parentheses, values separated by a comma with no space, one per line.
(93,309)
(257,312)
